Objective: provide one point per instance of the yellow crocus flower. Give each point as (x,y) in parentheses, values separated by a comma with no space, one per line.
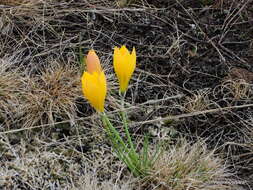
(92,62)
(124,64)
(94,82)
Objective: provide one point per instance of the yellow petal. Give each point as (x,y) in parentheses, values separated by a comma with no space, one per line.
(94,89)
(93,62)
(124,51)
(124,65)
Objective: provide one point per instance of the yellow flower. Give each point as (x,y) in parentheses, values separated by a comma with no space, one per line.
(93,62)
(124,64)
(94,82)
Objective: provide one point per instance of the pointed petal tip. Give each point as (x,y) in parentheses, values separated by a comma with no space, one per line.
(92,62)
(91,51)
(133,51)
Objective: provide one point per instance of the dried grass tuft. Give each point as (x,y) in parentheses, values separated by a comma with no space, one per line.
(187,166)
(11,86)
(51,96)
(239,89)
(197,102)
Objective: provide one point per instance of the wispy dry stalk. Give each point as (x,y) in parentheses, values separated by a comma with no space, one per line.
(11,85)
(17,2)
(238,89)
(197,102)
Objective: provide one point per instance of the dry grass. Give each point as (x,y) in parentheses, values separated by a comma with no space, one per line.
(13,2)
(38,162)
(51,95)
(197,102)
(11,85)
(187,166)
(89,182)
(238,89)
(163,32)
(50,165)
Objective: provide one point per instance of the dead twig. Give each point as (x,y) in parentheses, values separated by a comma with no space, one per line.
(176,117)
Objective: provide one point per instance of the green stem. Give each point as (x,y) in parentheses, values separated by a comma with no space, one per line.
(125,124)
(108,124)
(121,149)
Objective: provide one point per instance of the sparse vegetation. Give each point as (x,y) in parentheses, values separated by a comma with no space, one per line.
(51,96)
(239,89)
(12,84)
(197,102)
(185,166)
(194,67)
